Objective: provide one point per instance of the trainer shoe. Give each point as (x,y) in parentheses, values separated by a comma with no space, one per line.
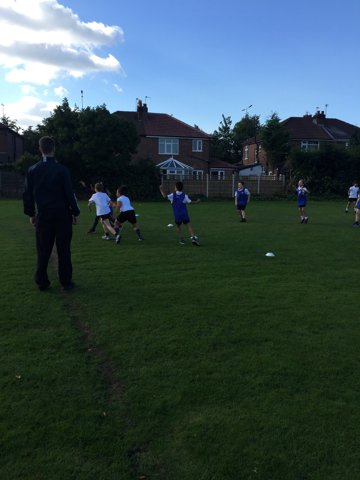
(195,240)
(302,220)
(141,239)
(182,241)
(90,231)
(117,238)
(306,220)
(356,225)
(346,211)
(106,237)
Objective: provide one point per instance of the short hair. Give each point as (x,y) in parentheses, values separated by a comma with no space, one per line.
(46,145)
(179,186)
(123,190)
(99,186)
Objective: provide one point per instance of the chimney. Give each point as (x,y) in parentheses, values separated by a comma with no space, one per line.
(319,117)
(142,110)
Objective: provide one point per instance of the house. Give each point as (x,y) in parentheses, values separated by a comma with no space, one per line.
(11,144)
(177,148)
(253,170)
(307,133)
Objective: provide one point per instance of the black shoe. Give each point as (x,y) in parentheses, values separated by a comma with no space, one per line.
(69,286)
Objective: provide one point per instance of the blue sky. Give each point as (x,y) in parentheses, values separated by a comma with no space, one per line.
(194,59)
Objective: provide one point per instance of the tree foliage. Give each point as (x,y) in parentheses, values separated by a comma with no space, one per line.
(275,141)
(8,122)
(330,170)
(95,145)
(223,143)
(247,127)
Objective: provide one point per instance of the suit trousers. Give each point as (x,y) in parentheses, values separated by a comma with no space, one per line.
(53,226)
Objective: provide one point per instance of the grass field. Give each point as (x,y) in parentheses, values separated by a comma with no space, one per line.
(181,362)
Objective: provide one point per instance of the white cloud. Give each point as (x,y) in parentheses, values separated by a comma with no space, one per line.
(27,89)
(61,92)
(29,110)
(41,40)
(117,88)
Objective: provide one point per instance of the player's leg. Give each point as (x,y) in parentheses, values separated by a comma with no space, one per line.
(131,217)
(45,238)
(357,217)
(179,232)
(194,238)
(109,228)
(242,213)
(63,247)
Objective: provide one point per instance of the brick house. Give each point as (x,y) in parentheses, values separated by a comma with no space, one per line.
(177,148)
(307,133)
(11,144)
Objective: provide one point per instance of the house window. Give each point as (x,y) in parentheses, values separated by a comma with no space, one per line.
(197,145)
(246,149)
(168,146)
(310,145)
(198,174)
(217,174)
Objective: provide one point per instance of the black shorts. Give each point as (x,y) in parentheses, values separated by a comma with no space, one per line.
(241,207)
(105,217)
(128,216)
(352,199)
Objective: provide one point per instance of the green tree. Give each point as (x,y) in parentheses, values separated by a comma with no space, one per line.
(329,170)
(104,145)
(247,127)
(223,143)
(275,141)
(8,122)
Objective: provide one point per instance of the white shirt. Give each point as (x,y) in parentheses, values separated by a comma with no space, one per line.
(186,198)
(353,192)
(101,201)
(125,203)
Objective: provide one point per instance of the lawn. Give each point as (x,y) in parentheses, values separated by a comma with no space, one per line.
(182,362)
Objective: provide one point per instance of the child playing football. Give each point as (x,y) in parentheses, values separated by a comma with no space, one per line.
(179,200)
(302,192)
(127,213)
(242,198)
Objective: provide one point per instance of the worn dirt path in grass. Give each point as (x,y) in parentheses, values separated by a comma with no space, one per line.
(108,372)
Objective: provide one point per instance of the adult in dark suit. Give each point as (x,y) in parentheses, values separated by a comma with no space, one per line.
(50,203)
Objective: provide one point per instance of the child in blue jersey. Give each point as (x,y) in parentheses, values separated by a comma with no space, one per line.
(179,200)
(357,212)
(302,192)
(242,198)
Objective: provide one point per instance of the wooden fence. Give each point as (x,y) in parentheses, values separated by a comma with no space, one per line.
(225,188)
(12,185)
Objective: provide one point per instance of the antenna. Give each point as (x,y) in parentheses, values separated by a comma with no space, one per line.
(3,110)
(146,98)
(246,109)
(82,99)
(326,105)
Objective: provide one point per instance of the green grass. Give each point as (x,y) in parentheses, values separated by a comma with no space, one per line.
(171,362)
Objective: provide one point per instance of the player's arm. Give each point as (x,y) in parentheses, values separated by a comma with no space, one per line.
(90,204)
(248,197)
(162,191)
